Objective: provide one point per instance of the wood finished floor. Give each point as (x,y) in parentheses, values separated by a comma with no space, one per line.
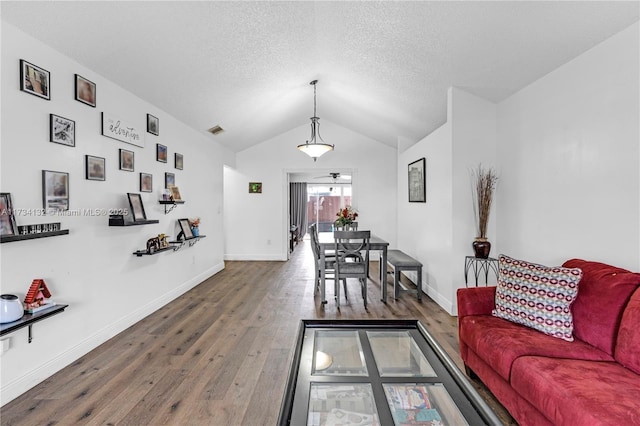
(218,355)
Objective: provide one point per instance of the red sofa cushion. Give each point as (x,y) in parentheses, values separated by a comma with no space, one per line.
(576,392)
(500,342)
(603,294)
(628,346)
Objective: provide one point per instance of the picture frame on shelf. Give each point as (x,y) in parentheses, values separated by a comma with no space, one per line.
(35,80)
(179,161)
(137,207)
(255,187)
(55,190)
(169,180)
(153,125)
(95,168)
(126,160)
(7,218)
(185,227)
(85,91)
(62,130)
(175,193)
(146,182)
(417,181)
(161,153)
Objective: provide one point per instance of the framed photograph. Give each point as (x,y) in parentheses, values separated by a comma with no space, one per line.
(417,181)
(35,80)
(55,190)
(169,180)
(175,193)
(255,187)
(126,160)
(185,228)
(62,130)
(137,208)
(153,125)
(7,218)
(179,159)
(146,182)
(161,153)
(94,168)
(85,91)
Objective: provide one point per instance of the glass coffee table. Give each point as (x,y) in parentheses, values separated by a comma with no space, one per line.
(376,372)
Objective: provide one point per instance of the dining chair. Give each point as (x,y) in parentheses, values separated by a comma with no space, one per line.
(329,259)
(352,260)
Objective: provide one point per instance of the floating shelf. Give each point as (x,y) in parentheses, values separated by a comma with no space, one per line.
(172,203)
(141,253)
(28,320)
(12,238)
(137,222)
(175,246)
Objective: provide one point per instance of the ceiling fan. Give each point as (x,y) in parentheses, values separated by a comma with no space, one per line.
(333,175)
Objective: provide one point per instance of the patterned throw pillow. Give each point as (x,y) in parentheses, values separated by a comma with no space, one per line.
(537,296)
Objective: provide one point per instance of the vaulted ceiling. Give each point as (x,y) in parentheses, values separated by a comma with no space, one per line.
(383,67)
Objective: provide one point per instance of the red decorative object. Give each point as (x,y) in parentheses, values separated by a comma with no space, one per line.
(37,294)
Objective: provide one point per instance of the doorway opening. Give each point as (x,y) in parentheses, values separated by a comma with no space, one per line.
(324,201)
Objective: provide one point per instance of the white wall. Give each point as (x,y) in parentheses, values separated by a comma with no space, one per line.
(256,225)
(92,269)
(569,149)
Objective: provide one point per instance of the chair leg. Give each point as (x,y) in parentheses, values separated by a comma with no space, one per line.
(344,284)
(364,291)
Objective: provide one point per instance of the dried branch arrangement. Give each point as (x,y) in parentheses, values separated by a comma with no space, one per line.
(484,183)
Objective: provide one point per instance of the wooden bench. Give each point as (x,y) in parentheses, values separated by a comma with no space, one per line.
(401,261)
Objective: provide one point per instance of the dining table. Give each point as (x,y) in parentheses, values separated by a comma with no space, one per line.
(327,243)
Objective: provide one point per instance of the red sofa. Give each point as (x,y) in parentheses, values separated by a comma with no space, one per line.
(543,380)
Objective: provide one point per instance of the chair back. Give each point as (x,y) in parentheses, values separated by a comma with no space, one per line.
(352,253)
(315,245)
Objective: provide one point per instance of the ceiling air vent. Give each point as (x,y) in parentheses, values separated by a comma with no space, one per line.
(215,130)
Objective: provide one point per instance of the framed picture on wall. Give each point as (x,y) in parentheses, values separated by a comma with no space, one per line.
(255,187)
(146,182)
(161,153)
(137,208)
(85,91)
(417,181)
(179,159)
(55,190)
(153,125)
(126,160)
(35,80)
(169,180)
(62,130)
(94,168)
(7,218)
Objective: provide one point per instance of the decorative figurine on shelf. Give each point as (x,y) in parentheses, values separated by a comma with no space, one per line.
(195,224)
(38,297)
(163,241)
(153,245)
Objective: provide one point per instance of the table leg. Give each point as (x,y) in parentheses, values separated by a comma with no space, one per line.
(322,278)
(383,279)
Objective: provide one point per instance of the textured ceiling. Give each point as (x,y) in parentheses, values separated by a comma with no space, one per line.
(383,67)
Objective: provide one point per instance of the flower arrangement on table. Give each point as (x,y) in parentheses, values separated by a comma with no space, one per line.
(195,223)
(346,216)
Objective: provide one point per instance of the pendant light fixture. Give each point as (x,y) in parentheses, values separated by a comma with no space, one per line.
(312,147)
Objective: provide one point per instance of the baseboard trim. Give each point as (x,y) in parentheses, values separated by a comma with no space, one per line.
(22,384)
(255,257)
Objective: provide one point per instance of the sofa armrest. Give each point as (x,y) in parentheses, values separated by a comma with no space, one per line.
(475,301)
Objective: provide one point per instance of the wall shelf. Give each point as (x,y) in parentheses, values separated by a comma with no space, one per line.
(141,253)
(137,222)
(28,320)
(170,204)
(12,238)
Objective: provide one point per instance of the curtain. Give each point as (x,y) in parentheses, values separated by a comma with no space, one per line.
(298,206)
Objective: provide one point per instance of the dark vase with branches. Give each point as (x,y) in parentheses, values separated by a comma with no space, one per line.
(484,184)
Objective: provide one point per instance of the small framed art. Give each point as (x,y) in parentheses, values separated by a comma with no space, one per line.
(175,193)
(126,160)
(146,182)
(417,181)
(35,80)
(62,130)
(153,125)
(94,168)
(161,153)
(7,217)
(169,180)
(55,190)
(179,160)
(137,208)
(185,227)
(255,187)
(85,91)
